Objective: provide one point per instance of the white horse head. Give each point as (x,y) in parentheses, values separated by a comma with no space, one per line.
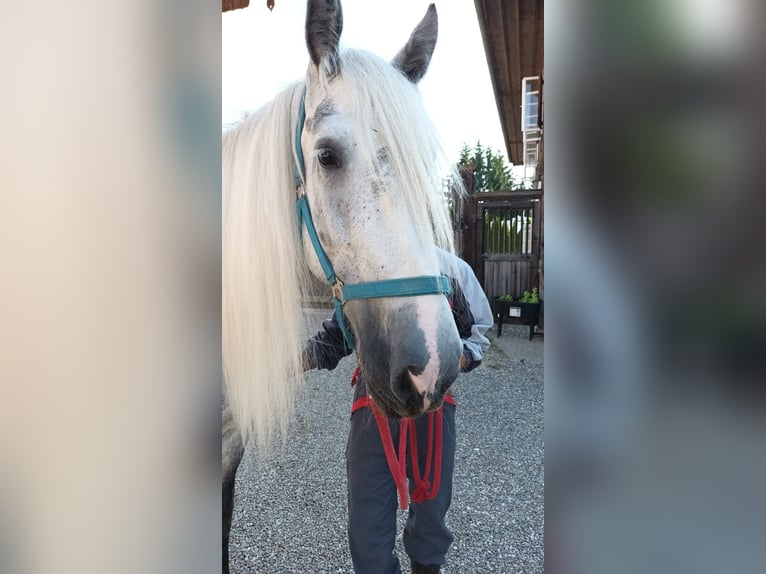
(372,181)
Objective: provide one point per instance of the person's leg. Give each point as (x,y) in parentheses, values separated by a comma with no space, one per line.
(232,450)
(372,499)
(426,536)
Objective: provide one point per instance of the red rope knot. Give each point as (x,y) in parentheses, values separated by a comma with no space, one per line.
(421,494)
(424,489)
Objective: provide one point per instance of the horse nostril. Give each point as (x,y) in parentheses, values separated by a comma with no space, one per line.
(407,391)
(402,385)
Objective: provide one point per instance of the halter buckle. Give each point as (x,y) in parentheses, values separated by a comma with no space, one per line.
(337,290)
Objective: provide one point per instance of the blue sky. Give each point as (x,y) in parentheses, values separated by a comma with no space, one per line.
(262,52)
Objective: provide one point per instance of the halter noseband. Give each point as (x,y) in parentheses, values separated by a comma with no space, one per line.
(405,287)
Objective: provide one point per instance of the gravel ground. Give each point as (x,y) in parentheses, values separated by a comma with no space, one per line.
(290,510)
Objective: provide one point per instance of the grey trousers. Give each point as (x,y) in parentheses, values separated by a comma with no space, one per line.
(372,498)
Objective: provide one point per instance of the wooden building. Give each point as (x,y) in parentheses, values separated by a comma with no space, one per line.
(500,234)
(234,4)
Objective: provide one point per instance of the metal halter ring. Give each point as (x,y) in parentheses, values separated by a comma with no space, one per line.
(337,290)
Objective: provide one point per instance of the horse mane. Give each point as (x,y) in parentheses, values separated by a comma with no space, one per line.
(265,277)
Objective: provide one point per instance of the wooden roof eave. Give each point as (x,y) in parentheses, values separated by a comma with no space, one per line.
(227,5)
(513,43)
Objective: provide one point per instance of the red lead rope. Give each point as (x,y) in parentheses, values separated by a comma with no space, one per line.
(424,490)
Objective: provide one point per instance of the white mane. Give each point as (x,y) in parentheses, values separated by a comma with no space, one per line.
(264,275)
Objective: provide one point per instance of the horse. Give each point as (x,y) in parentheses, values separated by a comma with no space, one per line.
(337,179)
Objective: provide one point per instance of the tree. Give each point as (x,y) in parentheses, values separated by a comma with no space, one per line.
(490,172)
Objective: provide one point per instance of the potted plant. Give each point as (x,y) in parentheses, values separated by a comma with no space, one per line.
(526,307)
(503,304)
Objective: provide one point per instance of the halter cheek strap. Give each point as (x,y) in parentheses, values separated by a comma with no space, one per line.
(405,287)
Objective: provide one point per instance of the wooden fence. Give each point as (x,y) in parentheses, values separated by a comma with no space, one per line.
(499,234)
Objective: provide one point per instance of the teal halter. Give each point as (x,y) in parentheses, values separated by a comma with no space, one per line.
(406,287)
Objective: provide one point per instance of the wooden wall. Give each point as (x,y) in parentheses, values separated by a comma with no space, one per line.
(506,276)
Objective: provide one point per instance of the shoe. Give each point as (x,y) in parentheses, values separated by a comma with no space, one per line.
(418,568)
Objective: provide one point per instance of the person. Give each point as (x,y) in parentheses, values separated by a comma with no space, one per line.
(372,483)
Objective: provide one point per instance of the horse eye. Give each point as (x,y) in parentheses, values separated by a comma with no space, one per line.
(328,158)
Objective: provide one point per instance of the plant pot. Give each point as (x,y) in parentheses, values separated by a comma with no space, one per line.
(501,307)
(525,310)
(529,312)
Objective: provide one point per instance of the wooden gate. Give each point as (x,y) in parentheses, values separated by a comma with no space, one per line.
(499,234)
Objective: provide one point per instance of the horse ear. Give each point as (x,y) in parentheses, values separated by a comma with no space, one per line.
(414,58)
(324,24)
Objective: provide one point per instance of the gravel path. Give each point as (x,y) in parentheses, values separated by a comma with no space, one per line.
(290,514)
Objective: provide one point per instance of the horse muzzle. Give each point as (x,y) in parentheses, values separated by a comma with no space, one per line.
(411,363)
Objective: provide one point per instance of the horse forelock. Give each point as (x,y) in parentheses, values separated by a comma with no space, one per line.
(392,134)
(390,116)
